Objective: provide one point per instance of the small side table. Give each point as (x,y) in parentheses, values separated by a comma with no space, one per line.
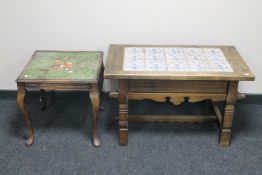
(62,70)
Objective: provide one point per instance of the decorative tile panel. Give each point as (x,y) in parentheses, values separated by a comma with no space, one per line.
(48,65)
(175,59)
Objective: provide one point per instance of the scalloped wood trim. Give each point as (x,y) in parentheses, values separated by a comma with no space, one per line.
(176,98)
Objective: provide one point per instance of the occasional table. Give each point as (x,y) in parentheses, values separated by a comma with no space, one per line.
(62,70)
(177,73)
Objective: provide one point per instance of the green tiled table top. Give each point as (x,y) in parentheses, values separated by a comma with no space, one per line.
(62,65)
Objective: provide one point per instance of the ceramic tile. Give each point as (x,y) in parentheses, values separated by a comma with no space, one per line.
(175,59)
(49,65)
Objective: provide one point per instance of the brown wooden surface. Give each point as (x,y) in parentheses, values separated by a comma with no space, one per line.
(114,66)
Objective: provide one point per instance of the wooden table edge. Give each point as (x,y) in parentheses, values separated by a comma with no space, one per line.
(193,78)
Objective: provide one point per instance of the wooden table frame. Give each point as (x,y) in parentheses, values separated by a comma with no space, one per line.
(176,87)
(224,121)
(93,86)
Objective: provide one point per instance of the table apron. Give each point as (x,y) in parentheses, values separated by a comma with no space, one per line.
(57,86)
(177,86)
(176,98)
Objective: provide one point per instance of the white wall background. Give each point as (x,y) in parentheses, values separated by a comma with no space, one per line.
(28,25)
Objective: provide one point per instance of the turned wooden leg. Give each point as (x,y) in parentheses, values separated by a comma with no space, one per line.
(95,100)
(43,99)
(123,112)
(228,114)
(21,104)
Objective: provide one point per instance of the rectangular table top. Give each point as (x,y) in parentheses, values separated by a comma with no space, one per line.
(176,63)
(62,66)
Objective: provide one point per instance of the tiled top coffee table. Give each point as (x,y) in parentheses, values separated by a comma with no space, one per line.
(62,70)
(177,73)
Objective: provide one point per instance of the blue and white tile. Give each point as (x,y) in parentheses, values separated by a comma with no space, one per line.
(177,67)
(199,68)
(175,59)
(133,67)
(155,67)
(193,52)
(153,50)
(134,50)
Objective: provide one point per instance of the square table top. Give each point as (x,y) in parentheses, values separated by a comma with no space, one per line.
(176,62)
(63,66)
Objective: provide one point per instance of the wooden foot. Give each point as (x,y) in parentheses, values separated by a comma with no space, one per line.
(22,107)
(95,100)
(123,136)
(29,141)
(225,137)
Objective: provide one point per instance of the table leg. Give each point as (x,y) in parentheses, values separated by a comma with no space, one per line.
(22,107)
(228,114)
(123,112)
(101,80)
(95,100)
(43,99)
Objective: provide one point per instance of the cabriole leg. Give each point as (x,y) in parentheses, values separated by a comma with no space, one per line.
(22,107)
(101,80)
(95,100)
(43,99)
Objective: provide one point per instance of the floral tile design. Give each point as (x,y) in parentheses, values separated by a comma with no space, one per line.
(62,65)
(175,59)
